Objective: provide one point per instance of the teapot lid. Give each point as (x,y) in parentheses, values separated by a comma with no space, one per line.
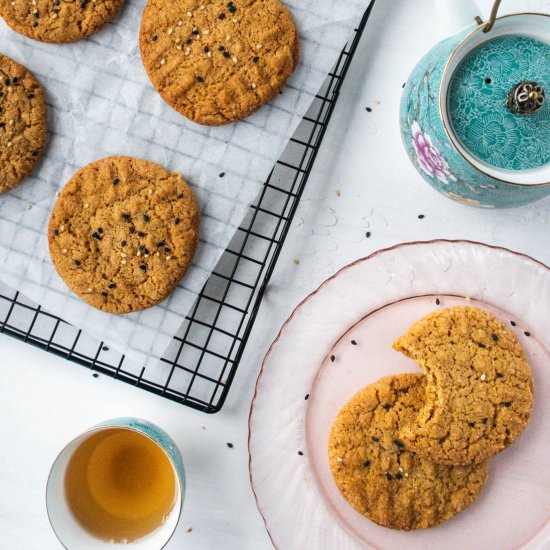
(495,99)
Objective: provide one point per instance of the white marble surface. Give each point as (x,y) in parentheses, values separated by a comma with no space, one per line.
(362,182)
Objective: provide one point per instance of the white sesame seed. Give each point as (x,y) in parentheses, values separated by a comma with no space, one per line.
(86,205)
(28,207)
(209,54)
(253,85)
(202,7)
(228,37)
(234,19)
(89,290)
(123,254)
(150,192)
(178,47)
(62,228)
(189,14)
(123,262)
(400,469)
(187,50)
(339,459)
(168,257)
(65,251)
(170,30)
(162,61)
(482,377)
(138,254)
(259,46)
(178,40)
(180,23)
(10,143)
(206,32)
(234,58)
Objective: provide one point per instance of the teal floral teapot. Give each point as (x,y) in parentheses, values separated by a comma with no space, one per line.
(475,116)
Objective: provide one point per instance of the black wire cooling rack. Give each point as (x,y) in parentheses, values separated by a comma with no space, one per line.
(201,362)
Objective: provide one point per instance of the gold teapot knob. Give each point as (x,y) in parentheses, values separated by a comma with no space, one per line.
(525,98)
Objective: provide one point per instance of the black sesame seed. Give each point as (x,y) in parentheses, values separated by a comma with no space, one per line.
(141,234)
(146,218)
(95,375)
(141,247)
(145,250)
(300,453)
(200,79)
(83,4)
(56,232)
(494,337)
(126,217)
(35,24)
(527,333)
(112,285)
(398,476)
(116,181)
(105,348)
(421,216)
(132,230)
(100,229)
(500,375)
(2,124)
(155,38)
(56,2)
(306,397)
(222,174)
(221,48)
(206,49)
(180,196)
(167,249)
(7,81)
(226,54)
(105,294)
(366,464)
(77,262)
(404,390)
(96,235)
(30,96)
(34,153)
(485,420)
(369,110)
(230,445)
(368,234)
(481,345)
(15,80)
(332,358)
(189,41)
(375,439)
(404,84)
(195,32)
(143,267)
(507,403)
(36,15)
(221,16)
(353,343)
(255,59)
(177,221)
(386,406)
(437,301)
(399,443)
(122,243)
(513,323)
(161,243)
(472,424)
(232,9)
(389,477)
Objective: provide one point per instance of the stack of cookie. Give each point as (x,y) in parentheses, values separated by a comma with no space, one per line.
(411,451)
(124,231)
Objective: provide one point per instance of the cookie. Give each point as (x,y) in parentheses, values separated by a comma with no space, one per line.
(379,475)
(123,233)
(216,62)
(58,21)
(23,123)
(479,392)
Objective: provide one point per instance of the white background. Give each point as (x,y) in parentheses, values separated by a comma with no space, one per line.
(362,182)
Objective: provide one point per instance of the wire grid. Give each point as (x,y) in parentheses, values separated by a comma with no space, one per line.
(199,366)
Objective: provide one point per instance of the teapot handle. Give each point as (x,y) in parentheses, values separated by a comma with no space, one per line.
(493,16)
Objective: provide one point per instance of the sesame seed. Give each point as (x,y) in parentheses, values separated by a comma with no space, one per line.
(339,459)
(123,262)
(353,343)
(507,403)
(189,14)
(230,445)
(437,301)
(221,16)
(482,377)
(255,59)
(332,358)
(527,333)
(221,174)
(300,453)
(146,218)
(162,61)
(168,258)
(65,251)
(170,30)
(200,79)
(366,464)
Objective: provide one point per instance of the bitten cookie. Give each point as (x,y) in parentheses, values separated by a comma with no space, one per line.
(376,472)
(216,62)
(123,233)
(23,123)
(479,391)
(58,20)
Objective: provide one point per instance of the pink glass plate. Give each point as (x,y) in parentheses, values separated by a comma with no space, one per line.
(371,302)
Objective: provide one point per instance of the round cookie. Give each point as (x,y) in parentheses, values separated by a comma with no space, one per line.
(379,476)
(58,21)
(123,233)
(23,123)
(216,62)
(479,391)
